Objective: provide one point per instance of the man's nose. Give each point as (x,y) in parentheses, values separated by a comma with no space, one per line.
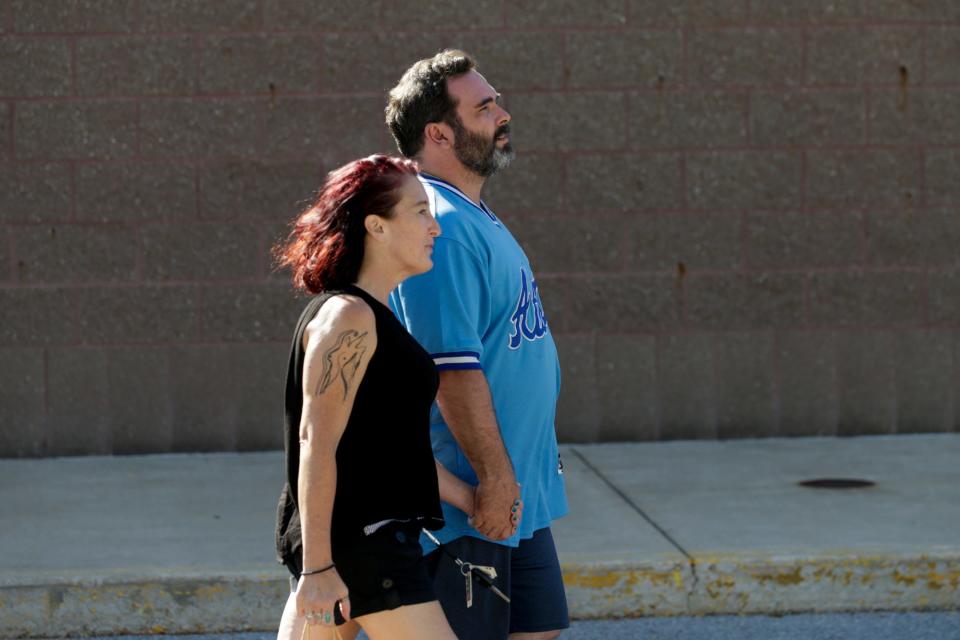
(504,117)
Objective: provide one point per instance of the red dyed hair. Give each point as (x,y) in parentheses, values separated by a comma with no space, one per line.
(325,247)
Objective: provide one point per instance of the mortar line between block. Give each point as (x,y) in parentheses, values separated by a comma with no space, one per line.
(633,505)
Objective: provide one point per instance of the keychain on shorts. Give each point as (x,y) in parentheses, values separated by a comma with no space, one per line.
(486,575)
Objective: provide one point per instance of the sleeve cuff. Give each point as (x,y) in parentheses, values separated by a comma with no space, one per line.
(456,360)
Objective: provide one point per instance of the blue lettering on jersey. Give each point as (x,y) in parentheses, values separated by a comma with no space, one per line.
(529,301)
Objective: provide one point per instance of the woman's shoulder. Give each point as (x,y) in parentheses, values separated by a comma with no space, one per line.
(342,312)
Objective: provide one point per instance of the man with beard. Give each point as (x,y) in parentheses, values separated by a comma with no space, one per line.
(478,313)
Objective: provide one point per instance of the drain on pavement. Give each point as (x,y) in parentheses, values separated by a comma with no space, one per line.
(837,483)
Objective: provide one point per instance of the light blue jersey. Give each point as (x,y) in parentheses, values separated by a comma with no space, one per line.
(479,308)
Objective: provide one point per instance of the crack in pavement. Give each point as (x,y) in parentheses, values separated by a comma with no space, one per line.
(691,561)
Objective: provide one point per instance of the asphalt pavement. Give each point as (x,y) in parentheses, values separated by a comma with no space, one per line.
(823,626)
(184,543)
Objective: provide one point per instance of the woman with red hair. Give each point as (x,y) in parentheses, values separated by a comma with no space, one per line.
(361,477)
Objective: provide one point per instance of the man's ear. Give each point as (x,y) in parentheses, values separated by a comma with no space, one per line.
(439,133)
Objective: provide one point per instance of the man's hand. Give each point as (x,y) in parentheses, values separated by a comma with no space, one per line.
(497,508)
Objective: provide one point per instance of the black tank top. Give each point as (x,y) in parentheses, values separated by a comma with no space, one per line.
(385,465)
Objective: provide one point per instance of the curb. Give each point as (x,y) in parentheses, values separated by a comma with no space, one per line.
(161,604)
(724,584)
(765,584)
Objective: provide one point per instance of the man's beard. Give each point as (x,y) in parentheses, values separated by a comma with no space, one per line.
(479,155)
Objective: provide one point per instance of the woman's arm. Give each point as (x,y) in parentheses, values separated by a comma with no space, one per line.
(339,343)
(455,491)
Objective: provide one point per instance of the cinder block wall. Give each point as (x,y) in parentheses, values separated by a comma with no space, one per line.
(743,214)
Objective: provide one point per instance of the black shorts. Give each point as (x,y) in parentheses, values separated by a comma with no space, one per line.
(529,574)
(384,570)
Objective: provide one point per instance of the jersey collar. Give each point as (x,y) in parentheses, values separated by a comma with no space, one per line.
(439,182)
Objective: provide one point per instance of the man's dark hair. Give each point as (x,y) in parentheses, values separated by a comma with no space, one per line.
(421,97)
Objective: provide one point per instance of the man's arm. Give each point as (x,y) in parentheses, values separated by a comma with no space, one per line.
(465,403)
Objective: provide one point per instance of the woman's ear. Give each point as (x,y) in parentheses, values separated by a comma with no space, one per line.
(374,225)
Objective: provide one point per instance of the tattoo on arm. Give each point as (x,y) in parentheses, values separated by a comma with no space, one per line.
(341,361)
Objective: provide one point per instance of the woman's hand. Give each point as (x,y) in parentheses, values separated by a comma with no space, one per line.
(318,594)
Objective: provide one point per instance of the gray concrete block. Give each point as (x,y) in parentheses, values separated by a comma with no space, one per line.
(638,182)
(6,130)
(200,252)
(104,401)
(34,192)
(31,67)
(259,64)
(626,372)
(334,130)
(942,51)
(579,406)
(896,10)
(73,253)
(754,57)
(200,127)
(807,381)
(375,61)
(866,299)
(188,15)
(804,240)
(120,192)
(577,244)
(863,178)
(255,190)
(688,119)
(686,13)
(914,116)
(306,14)
(807,118)
(22,401)
(944,296)
(941,168)
(76,130)
(665,241)
(228,397)
(565,13)
(738,301)
(686,387)
(744,384)
(250,313)
(611,303)
(865,376)
(923,375)
(136,66)
(6,256)
(543,122)
(743,180)
(816,12)
(853,56)
(516,60)
(914,238)
(628,59)
(30,317)
(139,315)
(74,16)
(534,183)
(419,14)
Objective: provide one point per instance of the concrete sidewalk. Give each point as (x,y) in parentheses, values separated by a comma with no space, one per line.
(184,543)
